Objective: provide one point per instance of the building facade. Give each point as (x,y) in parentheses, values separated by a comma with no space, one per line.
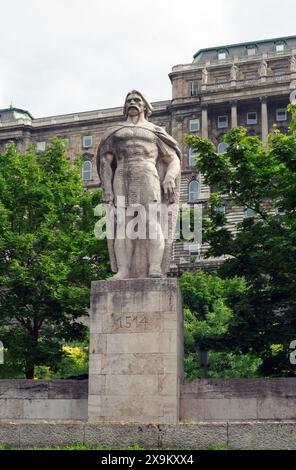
(246,84)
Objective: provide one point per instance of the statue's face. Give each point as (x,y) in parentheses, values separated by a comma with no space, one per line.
(135,104)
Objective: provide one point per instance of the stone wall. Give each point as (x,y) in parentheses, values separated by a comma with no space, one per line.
(40,399)
(201,400)
(203,435)
(238,399)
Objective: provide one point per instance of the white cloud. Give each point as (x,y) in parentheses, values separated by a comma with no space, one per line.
(63,56)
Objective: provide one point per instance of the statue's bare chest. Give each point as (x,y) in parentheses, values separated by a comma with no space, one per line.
(133,135)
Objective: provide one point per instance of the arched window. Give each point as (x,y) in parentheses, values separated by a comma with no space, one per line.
(222,147)
(87,170)
(193,190)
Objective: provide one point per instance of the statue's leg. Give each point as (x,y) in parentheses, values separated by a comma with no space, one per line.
(124,252)
(156,250)
(121,259)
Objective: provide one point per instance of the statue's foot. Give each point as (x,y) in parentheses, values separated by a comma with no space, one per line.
(119,276)
(155,274)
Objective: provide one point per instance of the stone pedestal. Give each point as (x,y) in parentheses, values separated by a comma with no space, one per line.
(136,351)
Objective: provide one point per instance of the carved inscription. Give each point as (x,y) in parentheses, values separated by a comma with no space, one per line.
(131,321)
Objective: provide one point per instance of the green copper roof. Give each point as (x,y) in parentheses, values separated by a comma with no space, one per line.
(229,46)
(16,110)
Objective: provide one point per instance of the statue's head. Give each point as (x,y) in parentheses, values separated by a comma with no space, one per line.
(135,98)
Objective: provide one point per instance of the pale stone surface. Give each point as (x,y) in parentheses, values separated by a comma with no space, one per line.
(132,323)
(139,363)
(141,343)
(122,435)
(127,384)
(97,384)
(94,406)
(223,409)
(54,409)
(136,351)
(9,434)
(11,408)
(195,436)
(205,399)
(97,343)
(238,399)
(262,435)
(276,408)
(142,408)
(96,364)
(168,384)
(139,163)
(236,435)
(50,434)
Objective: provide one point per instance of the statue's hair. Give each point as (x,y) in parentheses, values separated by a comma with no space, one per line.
(149,108)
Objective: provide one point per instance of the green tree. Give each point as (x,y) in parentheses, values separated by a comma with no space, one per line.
(48,255)
(263,248)
(209,302)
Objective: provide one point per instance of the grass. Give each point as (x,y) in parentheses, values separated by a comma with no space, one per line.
(78,446)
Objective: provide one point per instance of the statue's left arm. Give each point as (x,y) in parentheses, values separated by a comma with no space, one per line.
(170,155)
(173,170)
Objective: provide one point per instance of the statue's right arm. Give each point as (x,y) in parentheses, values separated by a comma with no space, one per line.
(107,176)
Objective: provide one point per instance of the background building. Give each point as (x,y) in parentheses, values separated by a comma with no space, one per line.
(245,84)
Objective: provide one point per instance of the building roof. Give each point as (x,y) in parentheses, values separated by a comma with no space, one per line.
(13,110)
(200,52)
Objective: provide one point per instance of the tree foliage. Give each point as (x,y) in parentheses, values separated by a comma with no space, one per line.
(263,249)
(209,303)
(48,254)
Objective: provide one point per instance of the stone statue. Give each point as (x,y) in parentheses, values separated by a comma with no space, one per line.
(233,72)
(293,64)
(138,162)
(262,69)
(204,76)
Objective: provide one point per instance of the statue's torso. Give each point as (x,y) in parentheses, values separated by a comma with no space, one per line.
(135,145)
(135,150)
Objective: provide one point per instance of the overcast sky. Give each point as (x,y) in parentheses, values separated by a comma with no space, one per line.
(66,56)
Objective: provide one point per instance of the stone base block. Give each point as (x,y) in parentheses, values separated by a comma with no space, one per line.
(136,351)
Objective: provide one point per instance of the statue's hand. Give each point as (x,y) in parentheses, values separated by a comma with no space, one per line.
(169,188)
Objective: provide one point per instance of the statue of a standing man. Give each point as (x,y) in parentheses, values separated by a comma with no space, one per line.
(140,163)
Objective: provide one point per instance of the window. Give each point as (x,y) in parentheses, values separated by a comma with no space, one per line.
(193,125)
(281,114)
(248,212)
(87,171)
(193,191)
(222,54)
(222,147)
(250,76)
(193,88)
(280,46)
(87,141)
(251,50)
(221,208)
(252,118)
(40,147)
(279,72)
(191,157)
(222,121)
(194,249)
